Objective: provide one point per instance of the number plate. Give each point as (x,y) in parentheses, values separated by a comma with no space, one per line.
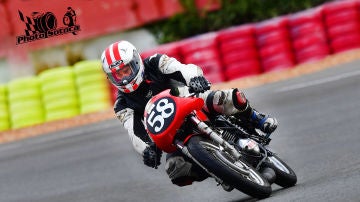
(160,115)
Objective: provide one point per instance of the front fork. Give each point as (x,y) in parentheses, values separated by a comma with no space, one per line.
(205,129)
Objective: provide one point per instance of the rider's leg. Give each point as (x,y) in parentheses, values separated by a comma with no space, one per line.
(234,102)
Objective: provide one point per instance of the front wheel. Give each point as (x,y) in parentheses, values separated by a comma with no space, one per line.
(236,173)
(285,176)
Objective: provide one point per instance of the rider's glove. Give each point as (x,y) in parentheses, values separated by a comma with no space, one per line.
(152,155)
(199,84)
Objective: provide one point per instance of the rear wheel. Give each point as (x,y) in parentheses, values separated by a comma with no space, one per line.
(236,173)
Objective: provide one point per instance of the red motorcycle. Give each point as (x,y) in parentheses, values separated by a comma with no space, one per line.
(233,153)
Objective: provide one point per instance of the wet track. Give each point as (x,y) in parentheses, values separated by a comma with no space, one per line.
(319,136)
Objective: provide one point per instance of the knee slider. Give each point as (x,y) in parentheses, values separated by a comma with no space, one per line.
(239,100)
(241,104)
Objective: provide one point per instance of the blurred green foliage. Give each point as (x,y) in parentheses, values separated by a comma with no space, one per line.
(232,12)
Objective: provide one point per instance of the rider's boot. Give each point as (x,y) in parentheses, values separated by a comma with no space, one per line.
(264,122)
(261,121)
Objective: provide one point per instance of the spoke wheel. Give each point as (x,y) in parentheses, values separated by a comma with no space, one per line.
(235,173)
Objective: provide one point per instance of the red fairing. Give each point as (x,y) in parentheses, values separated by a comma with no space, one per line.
(164,114)
(201,115)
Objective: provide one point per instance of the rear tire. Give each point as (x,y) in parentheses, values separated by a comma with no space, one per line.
(223,165)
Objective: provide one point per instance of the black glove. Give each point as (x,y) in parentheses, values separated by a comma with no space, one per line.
(199,84)
(152,155)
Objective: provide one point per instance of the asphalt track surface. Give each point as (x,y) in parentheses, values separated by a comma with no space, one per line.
(319,136)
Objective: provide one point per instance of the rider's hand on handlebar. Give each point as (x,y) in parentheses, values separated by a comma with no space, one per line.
(152,155)
(199,84)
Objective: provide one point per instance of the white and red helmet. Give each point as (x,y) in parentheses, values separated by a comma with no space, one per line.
(119,57)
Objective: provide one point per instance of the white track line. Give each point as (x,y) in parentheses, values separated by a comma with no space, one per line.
(319,81)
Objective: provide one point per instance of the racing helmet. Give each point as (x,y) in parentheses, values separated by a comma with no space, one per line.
(123,66)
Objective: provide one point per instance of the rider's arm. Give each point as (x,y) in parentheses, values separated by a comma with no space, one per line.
(133,124)
(175,69)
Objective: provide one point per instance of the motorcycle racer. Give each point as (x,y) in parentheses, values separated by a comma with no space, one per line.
(138,80)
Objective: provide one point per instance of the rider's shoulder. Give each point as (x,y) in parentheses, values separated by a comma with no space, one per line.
(153,58)
(153,62)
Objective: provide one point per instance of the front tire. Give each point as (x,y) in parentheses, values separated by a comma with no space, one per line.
(285,176)
(238,174)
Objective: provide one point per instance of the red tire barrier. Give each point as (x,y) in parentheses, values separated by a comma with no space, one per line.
(338,6)
(243,55)
(345,42)
(268,26)
(273,40)
(312,53)
(170,49)
(308,23)
(306,41)
(303,30)
(341,17)
(275,36)
(239,51)
(203,51)
(204,55)
(308,34)
(242,69)
(237,32)
(307,16)
(342,20)
(211,70)
(237,44)
(198,43)
(209,67)
(215,78)
(279,61)
(276,48)
(351,27)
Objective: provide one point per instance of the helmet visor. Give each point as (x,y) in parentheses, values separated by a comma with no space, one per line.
(124,74)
